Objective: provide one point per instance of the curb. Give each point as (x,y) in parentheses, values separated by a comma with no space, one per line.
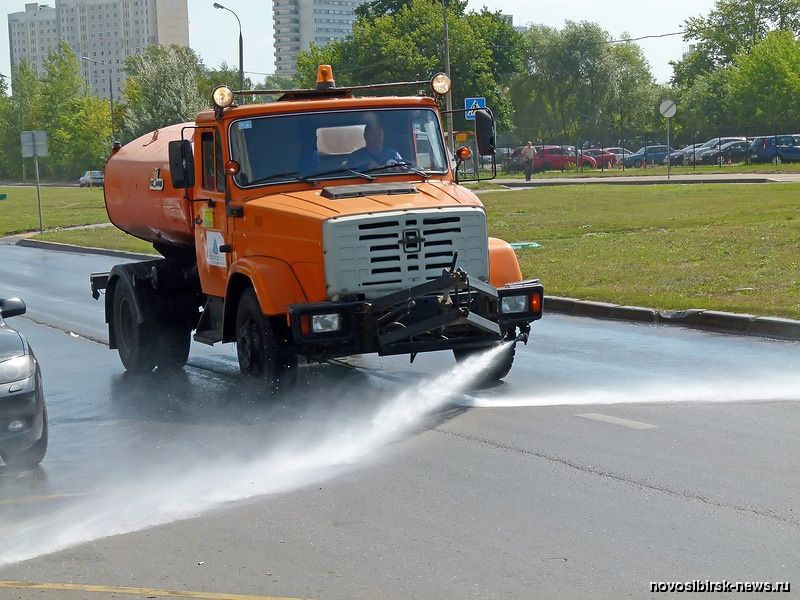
(708,320)
(59,247)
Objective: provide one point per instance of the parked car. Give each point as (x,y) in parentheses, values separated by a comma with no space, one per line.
(90,178)
(654,154)
(603,158)
(558,157)
(620,152)
(23,414)
(731,152)
(683,156)
(776,148)
(696,157)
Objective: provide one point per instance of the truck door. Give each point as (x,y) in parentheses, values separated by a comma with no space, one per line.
(211,233)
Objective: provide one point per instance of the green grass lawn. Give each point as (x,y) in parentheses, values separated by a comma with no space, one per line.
(101,237)
(715,246)
(724,246)
(61,207)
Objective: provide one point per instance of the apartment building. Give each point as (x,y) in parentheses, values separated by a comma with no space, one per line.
(103,31)
(299,23)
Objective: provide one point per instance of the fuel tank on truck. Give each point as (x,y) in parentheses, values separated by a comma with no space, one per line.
(140,199)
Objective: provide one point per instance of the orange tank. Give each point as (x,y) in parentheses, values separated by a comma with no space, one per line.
(140,199)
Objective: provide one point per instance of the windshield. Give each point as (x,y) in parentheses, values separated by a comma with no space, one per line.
(305,146)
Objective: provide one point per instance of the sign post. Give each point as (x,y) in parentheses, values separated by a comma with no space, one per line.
(668,109)
(34,145)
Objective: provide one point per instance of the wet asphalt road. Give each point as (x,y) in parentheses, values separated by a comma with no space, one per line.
(614,455)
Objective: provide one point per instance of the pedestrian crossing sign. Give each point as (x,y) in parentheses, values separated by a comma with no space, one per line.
(471,105)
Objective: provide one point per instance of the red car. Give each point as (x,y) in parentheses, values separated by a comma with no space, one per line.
(603,158)
(557,158)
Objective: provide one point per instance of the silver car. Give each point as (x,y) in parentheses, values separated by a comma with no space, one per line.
(91,178)
(23,414)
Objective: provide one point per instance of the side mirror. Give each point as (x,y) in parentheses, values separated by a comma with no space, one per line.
(484,132)
(11,307)
(181,164)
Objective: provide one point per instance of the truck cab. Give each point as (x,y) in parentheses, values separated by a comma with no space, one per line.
(319,225)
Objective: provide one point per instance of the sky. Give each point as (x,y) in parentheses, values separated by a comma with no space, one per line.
(214,33)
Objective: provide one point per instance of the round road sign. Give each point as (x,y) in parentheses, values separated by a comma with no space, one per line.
(668,109)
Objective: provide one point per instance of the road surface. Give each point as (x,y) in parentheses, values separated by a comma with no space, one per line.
(614,455)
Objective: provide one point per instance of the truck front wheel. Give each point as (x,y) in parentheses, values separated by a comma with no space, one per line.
(135,341)
(499,367)
(261,354)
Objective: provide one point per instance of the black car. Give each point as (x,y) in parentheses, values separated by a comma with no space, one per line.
(732,152)
(23,414)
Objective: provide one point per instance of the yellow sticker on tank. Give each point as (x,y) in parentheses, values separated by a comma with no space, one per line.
(208,217)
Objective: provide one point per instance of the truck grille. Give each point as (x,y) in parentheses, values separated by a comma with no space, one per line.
(377,254)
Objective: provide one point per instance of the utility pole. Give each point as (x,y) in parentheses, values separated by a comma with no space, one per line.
(449,97)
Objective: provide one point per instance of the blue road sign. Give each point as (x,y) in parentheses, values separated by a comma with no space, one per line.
(471,105)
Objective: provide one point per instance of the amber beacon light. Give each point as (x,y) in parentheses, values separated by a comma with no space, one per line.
(325,77)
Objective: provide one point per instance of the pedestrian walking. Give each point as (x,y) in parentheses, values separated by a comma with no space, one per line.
(528,154)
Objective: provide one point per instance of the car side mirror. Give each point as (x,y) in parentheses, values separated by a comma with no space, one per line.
(181,164)
(11,307)
(484,132)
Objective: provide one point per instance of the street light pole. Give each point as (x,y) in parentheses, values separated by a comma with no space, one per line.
(241,44)
(110,89)
(449,97)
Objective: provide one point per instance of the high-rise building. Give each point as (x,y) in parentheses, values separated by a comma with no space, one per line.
(103,31)
(299,23)
(32,34)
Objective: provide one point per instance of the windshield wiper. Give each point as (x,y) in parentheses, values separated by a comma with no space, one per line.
(405,164)
(316,176)
(293,174)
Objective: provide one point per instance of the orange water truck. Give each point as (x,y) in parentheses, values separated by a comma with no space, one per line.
(284,227)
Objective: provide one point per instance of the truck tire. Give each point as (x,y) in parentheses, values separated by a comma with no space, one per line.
(136,342)
(174,341)
(497,370)
(261,354)
(31,457)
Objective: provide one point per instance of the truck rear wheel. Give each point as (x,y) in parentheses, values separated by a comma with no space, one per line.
(499,368)
(135,341)
(261,354)
(174,341)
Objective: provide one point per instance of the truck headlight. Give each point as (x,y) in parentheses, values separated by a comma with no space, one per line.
(16,369)
(514,304)
(326,323)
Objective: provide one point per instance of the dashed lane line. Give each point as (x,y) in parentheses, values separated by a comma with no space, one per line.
(616,421)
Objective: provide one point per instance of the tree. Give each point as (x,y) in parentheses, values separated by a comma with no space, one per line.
(376,8)
(407,44)
(732,28)
(576,84)
(161,89)
(208,79)
(24,113)
(765,83)
(77,125)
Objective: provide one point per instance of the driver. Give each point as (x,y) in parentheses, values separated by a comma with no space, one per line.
(374,154)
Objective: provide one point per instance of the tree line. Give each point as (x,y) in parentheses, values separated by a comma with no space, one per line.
(546,84)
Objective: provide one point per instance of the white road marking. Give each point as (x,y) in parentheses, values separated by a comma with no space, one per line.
(616,421)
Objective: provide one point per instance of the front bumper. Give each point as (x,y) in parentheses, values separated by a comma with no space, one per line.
(451,311)
(23,405)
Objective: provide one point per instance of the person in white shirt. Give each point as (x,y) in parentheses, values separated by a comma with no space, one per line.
(528,154)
